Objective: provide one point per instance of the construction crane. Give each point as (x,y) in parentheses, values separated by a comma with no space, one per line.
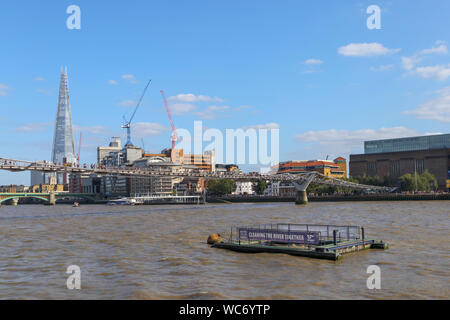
(80,182)
(127,124)
(174,130)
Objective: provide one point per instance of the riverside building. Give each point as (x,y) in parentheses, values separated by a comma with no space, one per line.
(396,157)
(332,169)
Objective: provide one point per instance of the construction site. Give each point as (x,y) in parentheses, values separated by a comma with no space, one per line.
(128,171)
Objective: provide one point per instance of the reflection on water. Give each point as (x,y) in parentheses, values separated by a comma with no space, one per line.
(160,252)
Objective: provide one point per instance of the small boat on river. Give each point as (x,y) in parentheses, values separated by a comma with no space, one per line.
(124,202)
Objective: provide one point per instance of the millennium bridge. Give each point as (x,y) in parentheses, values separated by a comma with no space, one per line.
(301,181)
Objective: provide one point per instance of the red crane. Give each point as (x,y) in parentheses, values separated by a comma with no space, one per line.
(79,151)
(80,182)
(174,130)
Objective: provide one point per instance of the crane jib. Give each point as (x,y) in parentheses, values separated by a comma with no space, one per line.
(127,124)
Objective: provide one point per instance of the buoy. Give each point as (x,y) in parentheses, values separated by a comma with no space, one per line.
(214,238)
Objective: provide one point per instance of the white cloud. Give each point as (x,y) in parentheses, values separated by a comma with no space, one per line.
(409,63)
(189,97)
(145,129)
(342,142)
(217,108)
(267,126)
(313,61)
(432,133)
(32,127)
(130,78)
(312,66)
(180,108)
(38,79)
(442,49)
(127,103)
(439,72)
(113,82)
(212,112)
(437,109)
(4,89)
(365,50)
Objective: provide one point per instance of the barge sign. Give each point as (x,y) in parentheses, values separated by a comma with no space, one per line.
(306,237)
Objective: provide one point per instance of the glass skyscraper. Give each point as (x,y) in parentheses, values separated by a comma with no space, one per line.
(63,145)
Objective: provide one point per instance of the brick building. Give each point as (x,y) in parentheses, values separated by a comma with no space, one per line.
(333,169)
(396,157)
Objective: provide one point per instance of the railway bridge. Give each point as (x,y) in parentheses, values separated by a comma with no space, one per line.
(49,198)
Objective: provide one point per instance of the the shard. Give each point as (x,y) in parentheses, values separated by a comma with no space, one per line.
(63,146)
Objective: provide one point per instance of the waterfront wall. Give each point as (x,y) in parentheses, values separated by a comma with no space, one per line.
(383,197)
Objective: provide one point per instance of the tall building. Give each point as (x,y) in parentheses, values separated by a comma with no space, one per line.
(205,161)
(63,145)
(114,146)
(396,157)
(342,164)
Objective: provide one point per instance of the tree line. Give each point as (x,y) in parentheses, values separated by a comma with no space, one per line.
(408,182)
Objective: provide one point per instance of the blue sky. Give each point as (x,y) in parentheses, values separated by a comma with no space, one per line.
(313,68)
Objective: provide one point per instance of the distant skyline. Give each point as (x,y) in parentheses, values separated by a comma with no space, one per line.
(312,69)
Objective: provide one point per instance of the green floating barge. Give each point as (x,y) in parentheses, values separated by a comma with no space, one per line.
(314,241)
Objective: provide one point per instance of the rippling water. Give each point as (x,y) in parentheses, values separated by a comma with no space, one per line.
(160,252)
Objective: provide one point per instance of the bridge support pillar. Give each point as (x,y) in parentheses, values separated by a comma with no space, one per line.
(52,199)
(14,202)
(301,198)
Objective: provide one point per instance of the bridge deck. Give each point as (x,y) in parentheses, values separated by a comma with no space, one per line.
(302,180)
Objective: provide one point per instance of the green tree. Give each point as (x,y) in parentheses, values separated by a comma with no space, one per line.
(420,182)
(221,187)
(428,181)
(369,180)
(407,182)
(261,186)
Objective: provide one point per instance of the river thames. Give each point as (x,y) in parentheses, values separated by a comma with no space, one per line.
(160,252)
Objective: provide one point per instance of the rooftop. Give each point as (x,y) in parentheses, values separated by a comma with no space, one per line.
(441,141)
